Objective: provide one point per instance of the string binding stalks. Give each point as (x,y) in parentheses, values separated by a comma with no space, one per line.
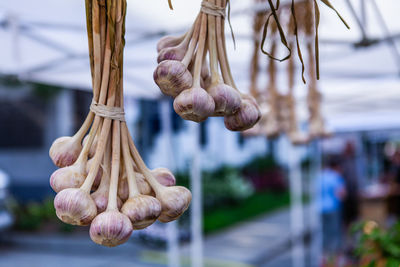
(103,181)
(194,70)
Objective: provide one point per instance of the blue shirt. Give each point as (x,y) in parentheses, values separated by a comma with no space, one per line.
(330,182)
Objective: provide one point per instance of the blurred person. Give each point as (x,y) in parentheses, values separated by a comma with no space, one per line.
(332,193)
(349,172)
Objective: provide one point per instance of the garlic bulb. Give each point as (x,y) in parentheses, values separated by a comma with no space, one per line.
(169,41)
(227,99)
(123,191)
(247,116)
(143,185)
(171,53)
(194,104)
(142,210)
(164,176)
(100,198)
(65,150)
(68,177)
(172,77)
(75,206)
(110,228)
(174,202)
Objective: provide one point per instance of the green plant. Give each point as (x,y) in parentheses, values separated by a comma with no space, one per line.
(221,187)
(34,215)
(254,205)
(260,164)
(44,91)
(378,247)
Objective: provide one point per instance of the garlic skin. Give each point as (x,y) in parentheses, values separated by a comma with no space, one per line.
(247,116)
(272,128)
(298,138)
(110,228)
(143,185)
(68,177)
(171,53)
(227,99)
(206,82)
(97,179)
(194,104)
(92,149)
(174,202)
(75,206)
(65,150)
(172,77)
(123,190)
(164,176)
(168,41)
(100,198)
(142,210)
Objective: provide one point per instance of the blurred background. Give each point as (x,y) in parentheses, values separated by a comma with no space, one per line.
(256,202)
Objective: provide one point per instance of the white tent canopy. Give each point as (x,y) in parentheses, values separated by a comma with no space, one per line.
(45,41)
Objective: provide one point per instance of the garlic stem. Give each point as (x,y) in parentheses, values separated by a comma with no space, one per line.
(89,29)
(130,173)
(193,43)
(222,54)
(291,69)
(112,84)
(188,36)
(272,65)
(157,187)
(212,44)
(116,124)
(80,134)
(102,98)
(311,62)
(96,48)
(105,179)
(103,30)
(103,94)
(115,163)
(83,156)
(200,50)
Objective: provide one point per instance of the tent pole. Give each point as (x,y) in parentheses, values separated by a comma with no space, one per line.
(296,208)
(172,227)
(386,31)
(196,206)
(315,217)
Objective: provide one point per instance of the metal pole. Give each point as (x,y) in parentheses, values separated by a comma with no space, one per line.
(172,227)
(15,35)
(359,22)
(315,216)
(196,206)
(296,208)
(390,40)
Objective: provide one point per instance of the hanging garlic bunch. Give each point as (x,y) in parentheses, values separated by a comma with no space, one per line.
(279,110)
(316,121)
(103,181)
(201,91)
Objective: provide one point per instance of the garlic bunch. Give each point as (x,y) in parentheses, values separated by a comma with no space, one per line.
(103,181)
(280,115)
(200,91)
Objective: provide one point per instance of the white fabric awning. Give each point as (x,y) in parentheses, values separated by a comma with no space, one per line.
(45,41)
